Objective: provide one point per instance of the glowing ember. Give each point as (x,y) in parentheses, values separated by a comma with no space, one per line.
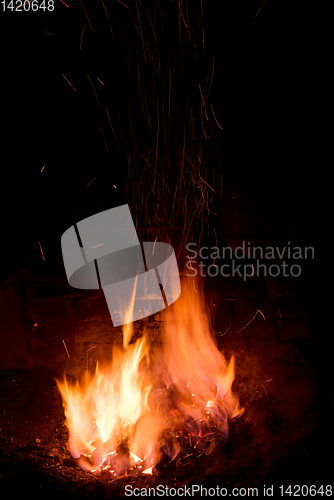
(151,401)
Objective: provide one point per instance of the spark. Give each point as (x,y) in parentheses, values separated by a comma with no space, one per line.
(43,168)
(40,246)
(213,70)
(206,137)
(154,245)
(64,3)
(94,90)
(263,316)
(157,140)
(190,222)
(188,22)
(86,15)
(91,181)
(112,128)
(123,4)
(45,26)
(146,47)
(203,38)
(191,175)
(141,32)
(105,10)
(180,11)
(229,326)
(265,391)
(170,87)
(258,310)
(98,245)
(155,36)
(155,171)
(68,82)
(215,117)
(190,262)
(83,29)
(207,184)
(105,140)
(259,10)
(206,115)
(65,348)
(206,207)
(203,26)
(100,81)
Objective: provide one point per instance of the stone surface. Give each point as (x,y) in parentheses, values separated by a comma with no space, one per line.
(291,307)
(93,308)
(294,329)
(258,330)
(50,287)
(53,316)
(42,314)
(15,330)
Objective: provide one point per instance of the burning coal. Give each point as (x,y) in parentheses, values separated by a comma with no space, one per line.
(154,399)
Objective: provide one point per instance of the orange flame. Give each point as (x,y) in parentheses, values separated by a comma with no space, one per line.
(194,362)
(117,417)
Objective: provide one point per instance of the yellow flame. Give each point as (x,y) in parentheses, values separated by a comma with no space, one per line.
(125,401)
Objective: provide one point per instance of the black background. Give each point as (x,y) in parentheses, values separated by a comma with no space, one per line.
(270,74)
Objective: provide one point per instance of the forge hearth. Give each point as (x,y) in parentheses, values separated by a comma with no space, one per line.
(278,439)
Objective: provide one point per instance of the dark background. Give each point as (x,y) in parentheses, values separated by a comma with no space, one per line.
(267,94)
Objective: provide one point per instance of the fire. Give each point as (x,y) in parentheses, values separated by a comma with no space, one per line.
(150,399)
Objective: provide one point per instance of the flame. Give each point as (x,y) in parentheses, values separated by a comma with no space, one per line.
(141,404)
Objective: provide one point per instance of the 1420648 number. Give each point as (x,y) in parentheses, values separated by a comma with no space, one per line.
(304,490)
(34,5)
